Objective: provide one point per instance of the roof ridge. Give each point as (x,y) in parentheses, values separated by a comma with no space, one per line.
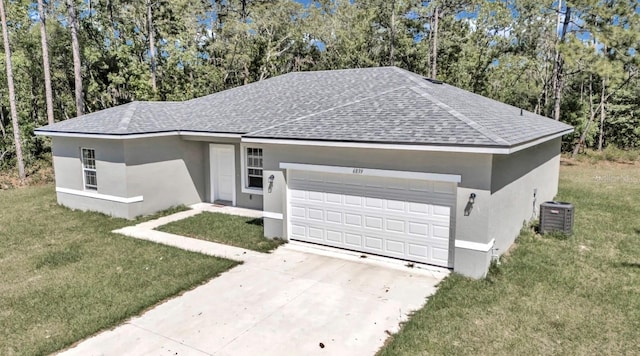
(323,111)
(476,126)
(128,115)
(337,70)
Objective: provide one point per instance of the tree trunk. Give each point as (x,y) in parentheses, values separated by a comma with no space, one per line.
(152,47)
(392,34)
(602,113)
(592,115)
(434,48)
(48,92)
(77,65)
(12,92)
(558,73)
(4,133)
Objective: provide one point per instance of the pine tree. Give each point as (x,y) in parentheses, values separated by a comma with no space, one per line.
(12,92)
(46,63)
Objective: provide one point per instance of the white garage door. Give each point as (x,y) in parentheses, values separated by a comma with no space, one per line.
(401,218)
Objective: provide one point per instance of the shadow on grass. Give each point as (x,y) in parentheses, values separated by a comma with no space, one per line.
(256,222)
(557,235)
(627,265)
(637,230)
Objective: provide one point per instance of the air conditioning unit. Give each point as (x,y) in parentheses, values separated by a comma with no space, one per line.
(556,216)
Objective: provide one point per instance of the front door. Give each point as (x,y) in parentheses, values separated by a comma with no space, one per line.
(223,172)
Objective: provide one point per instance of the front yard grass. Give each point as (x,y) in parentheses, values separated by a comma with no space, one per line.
(64,276)
(579,295)
(227,229)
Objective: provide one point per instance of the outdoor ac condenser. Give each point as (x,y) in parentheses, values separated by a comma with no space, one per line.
(556,216)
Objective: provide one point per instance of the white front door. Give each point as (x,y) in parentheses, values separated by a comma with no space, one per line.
(400,218)
(222,172)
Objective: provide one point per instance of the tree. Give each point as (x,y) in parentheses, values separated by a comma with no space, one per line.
(434,42)
(45,63)
(558,64)
(12,92)
(152,46)
(612,29)
(77,64)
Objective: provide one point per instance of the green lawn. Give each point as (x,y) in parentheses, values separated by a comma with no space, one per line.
(227,229)
(64,276)
(579,295)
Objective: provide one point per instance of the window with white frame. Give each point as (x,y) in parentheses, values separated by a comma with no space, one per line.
(89,169)
(254,167)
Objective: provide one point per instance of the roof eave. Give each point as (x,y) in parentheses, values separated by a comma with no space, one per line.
(486,149)
(130,136)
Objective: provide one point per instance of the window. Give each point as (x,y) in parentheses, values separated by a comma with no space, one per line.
(89,169)
(254,167)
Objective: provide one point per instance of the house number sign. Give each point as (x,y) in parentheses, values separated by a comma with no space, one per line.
(358,171)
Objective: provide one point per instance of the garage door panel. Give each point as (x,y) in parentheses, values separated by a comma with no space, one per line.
(440,232)
(420,229)
(353,240)
(298,194)
(396,205)
(440,254)
(298,231)
(352,200)
(373,222)
(334,217)
(374,243)
(441,211)
(418,252)
(394,214)
(315,233)
(395,225)
(315,196)
(315,214)
(399,218)
(396,247)
(353,220)
(333,198)
(298,212)
(418,208)
(334,236)
(374,203)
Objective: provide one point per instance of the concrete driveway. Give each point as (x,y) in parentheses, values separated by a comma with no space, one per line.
(290,302)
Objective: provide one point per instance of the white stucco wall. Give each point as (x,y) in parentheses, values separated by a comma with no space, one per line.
(514,178)
(111,173)
(166,171)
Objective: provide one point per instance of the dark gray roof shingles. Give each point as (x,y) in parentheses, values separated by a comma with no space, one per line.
(384,105)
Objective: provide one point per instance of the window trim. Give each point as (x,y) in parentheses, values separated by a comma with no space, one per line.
(244,177)
(85,169)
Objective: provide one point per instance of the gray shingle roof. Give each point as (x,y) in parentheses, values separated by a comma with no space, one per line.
(132,118)
(383,105)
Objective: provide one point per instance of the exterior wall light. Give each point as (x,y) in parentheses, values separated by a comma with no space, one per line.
(271,179)
(469,206)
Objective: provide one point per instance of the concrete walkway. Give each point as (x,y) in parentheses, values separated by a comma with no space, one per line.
(290,302)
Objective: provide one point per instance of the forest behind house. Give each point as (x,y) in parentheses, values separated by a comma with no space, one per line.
(573,61)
